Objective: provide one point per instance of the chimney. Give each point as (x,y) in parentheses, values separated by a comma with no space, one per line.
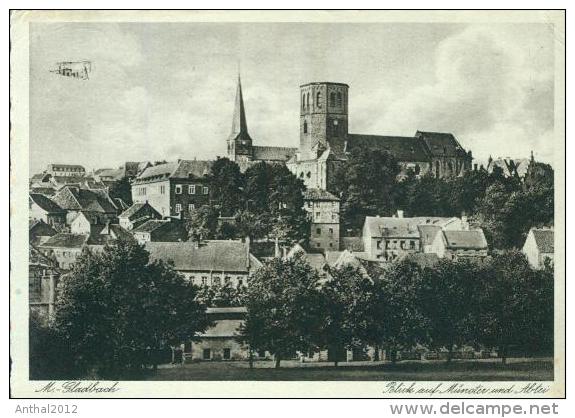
(399,213)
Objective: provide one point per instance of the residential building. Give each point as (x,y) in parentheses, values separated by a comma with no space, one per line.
(387,238)
(539,246)
(213,262)
(457,245)
(64,248)
(74,200)
(175,188)
(72,170)
(323,209)
(137,214)
(158,230)
(44,209)
(220,341)
(39,231)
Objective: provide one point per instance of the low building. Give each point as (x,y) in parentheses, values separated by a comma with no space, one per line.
(213,262)
(137,214)
(72,170)
(220,341)
(161,230)
(74,200)
(323,209)
(539,246)
(39,232)
(65,248)
(457,245)
(45,209)
(175,188)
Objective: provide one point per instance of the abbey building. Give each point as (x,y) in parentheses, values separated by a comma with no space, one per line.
(325,141)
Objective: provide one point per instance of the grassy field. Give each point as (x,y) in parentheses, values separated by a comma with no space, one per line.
(458,370)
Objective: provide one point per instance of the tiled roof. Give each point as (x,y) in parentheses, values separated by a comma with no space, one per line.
(72,166)
(135,211)
(473,239)
(65,240)
(273,153)
(544,238)
(401,147)
(427,233)
(72,198)
(150,225)
(112,173)
(47,190)
(319,194)
(440,144)
(223,328)
(385,226)
(45,203)
(422,259)
(176,169)
(214,255)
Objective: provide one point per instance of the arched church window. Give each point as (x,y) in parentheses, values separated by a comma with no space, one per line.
(303,102)
(339,99)
(318,99)
(307,101)
(305,126)
(332,99)
(450,166)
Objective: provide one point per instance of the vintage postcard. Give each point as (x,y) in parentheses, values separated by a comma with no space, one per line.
(287,204)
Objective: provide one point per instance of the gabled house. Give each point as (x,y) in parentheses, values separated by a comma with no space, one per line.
(45,209)
(65,248)
(137,214)
(75,200)
(39,231)
(160,230)
(539,246)
(209,263)
(456,245)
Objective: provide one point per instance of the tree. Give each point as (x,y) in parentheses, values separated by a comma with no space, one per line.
(346,301)
(447,300)
(116,306)
(221,296)
(283,308)
(202,223)
(402,322)
(226,183)
(515,305)
(365,183)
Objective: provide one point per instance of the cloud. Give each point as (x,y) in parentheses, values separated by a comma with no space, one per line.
(489,90)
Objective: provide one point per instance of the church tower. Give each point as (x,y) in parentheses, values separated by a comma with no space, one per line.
(239,141)
(323,118)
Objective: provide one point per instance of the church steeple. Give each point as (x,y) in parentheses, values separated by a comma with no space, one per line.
(239,141)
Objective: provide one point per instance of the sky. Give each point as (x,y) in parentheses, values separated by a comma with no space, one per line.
(166,90)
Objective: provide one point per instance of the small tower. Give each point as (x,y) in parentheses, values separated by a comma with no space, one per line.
(323,118)
(239,141)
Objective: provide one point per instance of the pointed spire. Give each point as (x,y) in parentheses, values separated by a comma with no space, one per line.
(239,124)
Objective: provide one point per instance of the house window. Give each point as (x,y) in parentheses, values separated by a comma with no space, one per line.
(240,281)
(192,189)
(318,231)
(178,189)
(412,244)
(331,231)
(207,354)
(205,190)
(317,245)
(191,207)
(227,279)
(216,281)
(162,189)
(178,208)
(330,245)
(378,245)
(227,354)
(204,280)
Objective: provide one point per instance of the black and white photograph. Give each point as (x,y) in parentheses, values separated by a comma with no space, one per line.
(273,197)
